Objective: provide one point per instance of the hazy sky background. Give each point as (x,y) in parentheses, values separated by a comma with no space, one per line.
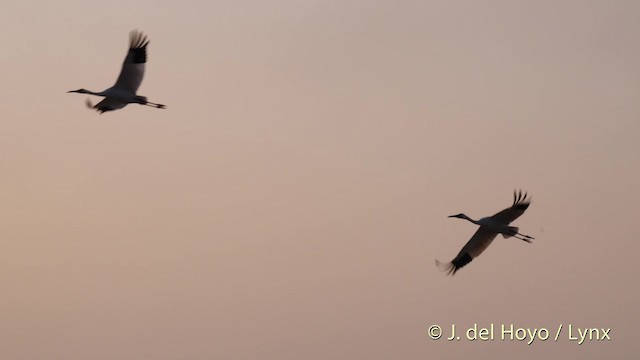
(291,200)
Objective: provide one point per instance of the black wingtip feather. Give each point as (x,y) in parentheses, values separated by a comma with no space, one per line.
(138,47)
(459,263)
(520,201)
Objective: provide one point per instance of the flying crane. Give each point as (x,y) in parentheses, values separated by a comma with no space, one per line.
(490,227)
(124,90)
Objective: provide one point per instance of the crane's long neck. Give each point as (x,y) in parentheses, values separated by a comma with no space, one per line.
(85,91)
(470,219)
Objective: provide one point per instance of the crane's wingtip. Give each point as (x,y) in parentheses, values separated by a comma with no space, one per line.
(449,267)
(88,103)
(446,267)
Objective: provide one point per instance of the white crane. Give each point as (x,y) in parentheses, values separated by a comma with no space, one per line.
(490,227)
(124,91)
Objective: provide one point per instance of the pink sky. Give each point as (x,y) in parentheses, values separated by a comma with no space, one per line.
(290,201)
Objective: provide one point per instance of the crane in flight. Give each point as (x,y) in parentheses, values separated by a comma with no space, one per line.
(124,91)
(490,227)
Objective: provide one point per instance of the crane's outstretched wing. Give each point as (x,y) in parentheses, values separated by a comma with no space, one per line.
(520,204)
(133,67)
(474,247)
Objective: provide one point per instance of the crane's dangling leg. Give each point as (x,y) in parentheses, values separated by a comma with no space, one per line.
(158,106)
(526,238)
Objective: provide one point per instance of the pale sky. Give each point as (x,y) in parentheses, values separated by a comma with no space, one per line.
(291,200)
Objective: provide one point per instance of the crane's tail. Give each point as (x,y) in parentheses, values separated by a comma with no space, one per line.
(445,267)
(513,230)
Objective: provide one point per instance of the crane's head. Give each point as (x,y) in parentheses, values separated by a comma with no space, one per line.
(459,216)
(81,91)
